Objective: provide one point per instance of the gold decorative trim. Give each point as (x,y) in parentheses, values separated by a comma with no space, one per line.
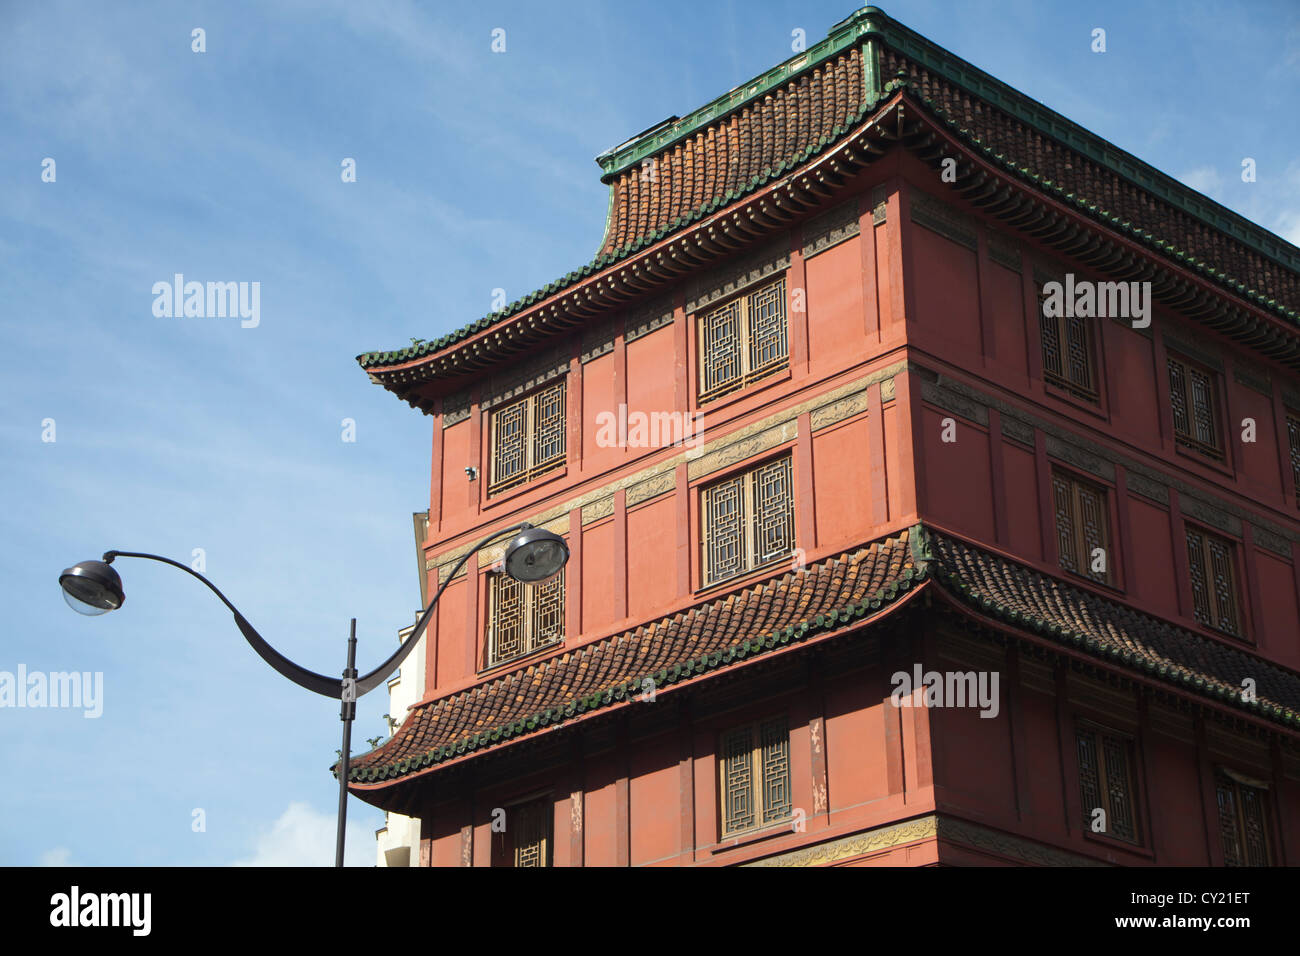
(873,841)
(747,447)
(835,412)
(597,510)
(933,827)
(652,487)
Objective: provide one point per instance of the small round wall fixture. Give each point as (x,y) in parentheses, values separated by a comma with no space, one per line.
(535,555)
(91,588)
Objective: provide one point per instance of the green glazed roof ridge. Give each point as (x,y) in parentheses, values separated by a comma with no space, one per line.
(1087,143)
(841,37)
(873,23)
(833,619)
(1110,220)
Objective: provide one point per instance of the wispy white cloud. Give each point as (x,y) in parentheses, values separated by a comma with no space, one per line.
(59,856)
(1204,179)
(303,836)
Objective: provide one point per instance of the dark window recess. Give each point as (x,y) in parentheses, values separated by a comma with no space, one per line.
(755,772)
(1082,527)
(1068,353)
(1212,565)
(1107,781)
(1243,822)
(526,839)
(1194,400)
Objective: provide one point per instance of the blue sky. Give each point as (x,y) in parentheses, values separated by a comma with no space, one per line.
(474,172)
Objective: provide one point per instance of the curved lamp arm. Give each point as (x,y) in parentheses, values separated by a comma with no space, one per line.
(326,686)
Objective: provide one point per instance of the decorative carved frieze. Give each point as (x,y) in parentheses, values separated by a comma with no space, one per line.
(654,315)
(873,841)
(1193,350)
(1271,542)
(943,828)
(1208,514)
(887,390)
(879,204)
(547,365)
(1022,432)
(651,487)
(833,412)
(1252,377)
(1084,461)
(731,278)
(1004,250)
(600,508)
(747,447)
(831,227)
(455,408)
(598,340)
(937,215)
(1147,488)
(950,401)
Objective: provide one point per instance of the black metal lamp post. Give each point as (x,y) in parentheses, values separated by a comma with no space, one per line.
(532,556)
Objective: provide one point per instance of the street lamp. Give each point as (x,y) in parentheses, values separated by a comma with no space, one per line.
(534,555)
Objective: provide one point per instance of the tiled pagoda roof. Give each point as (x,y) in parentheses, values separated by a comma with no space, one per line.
(831,597)
(783,120)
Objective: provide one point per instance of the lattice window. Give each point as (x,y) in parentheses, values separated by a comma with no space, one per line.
(523,618)
(1082,526)
(527,438)
(1243,822)
(754,776)
(1212,566)
(748,520)
(1293,441)
(1108,781)
(743,341)
(1067,353)
(1194,399)
(526,839)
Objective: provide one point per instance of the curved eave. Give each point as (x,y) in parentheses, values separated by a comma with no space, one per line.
(991,183)
(393,793)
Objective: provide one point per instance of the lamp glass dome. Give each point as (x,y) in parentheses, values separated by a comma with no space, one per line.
(535,555)
(92,588)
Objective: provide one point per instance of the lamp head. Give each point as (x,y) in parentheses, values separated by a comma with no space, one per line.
(535,555)
(92,588)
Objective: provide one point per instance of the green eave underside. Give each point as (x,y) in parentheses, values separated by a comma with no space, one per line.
(874,23)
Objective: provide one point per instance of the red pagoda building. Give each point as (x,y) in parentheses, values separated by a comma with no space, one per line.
(930,472)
